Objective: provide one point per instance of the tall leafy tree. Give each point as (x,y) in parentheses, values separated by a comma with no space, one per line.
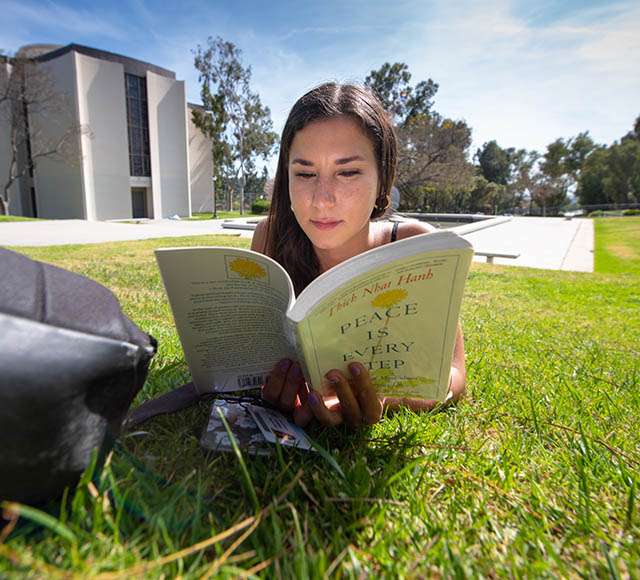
(560,169)
(432,161)
(233,116)
(433,171)
(402,101)
(494,163)
(622,182)
(591,185)
(578,149)
(525,178)
(555,178)
(611,175)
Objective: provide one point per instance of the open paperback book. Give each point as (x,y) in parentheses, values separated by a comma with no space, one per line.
(394,308)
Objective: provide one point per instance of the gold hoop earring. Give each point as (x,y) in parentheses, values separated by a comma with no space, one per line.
(388,200)
(292,210)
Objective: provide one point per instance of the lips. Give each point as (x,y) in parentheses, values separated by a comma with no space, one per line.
(325,225)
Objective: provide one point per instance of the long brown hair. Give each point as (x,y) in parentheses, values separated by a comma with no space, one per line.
(285,240)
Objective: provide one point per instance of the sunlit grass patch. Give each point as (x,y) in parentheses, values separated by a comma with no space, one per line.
(535,474)
(617,245)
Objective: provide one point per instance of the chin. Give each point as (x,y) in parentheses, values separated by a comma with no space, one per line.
(325,244)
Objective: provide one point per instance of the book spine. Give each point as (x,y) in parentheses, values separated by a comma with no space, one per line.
(296,333)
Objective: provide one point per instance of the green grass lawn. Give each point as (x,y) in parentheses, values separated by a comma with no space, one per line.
(15,218)
(617,245)
(536,474)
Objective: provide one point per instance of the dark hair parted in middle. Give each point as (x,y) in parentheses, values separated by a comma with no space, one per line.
(285,240)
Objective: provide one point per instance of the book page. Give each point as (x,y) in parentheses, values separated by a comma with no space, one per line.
(399,320)
(229,307)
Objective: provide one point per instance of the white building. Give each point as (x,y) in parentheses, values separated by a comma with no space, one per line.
(132,158)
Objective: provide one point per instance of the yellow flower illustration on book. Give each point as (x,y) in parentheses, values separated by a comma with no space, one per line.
(247,269)
(386,300)
(389,298)
(383,379)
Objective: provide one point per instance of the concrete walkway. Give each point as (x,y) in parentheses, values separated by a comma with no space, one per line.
(62,232)
(550,243)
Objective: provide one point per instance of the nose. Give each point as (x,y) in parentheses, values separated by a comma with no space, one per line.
(323,193)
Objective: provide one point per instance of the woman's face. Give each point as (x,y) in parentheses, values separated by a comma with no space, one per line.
(333,183)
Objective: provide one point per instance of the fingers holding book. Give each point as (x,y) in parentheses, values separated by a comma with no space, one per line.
(283,385)
(353,401)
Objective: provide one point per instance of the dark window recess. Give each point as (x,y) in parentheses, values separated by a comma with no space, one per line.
(138,125)
(139,203)
(34,204)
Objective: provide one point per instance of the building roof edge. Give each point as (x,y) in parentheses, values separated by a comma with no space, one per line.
(131,65)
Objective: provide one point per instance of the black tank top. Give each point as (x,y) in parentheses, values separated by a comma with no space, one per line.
(394,231)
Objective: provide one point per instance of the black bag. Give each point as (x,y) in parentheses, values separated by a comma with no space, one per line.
(70,365)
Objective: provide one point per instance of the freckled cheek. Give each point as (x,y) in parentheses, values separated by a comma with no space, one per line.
(361,196)
(300,197)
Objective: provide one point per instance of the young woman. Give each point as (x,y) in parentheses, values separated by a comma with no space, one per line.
(335,171)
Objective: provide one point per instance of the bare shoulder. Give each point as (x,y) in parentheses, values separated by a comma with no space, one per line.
(412,228)
(259,240)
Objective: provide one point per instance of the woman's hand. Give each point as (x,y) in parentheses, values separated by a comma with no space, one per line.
(352,401)
(285,388)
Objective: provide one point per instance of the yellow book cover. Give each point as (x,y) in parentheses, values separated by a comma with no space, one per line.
(399,320)
(394,308)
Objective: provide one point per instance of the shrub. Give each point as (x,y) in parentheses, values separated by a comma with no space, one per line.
(631,212)
(260,206)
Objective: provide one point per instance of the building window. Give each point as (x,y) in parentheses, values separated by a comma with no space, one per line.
(138,125)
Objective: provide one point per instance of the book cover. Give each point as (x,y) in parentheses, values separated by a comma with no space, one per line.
(229,306)
(399,320)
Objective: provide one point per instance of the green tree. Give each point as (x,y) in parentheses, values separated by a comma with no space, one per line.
(591,185)
(239,125)
(621,184)
(524,177)
(402,101)
(560,170)
(551,191)
(488,197)
(432,161)
(433,170)
(494,162)
(634,134)
(611,175)
(578,149)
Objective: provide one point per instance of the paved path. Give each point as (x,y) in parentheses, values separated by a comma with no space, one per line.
(62,232)
(550,243)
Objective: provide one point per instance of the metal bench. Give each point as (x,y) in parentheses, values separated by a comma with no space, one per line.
(491,255)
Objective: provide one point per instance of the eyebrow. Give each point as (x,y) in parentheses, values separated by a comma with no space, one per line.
(342,161)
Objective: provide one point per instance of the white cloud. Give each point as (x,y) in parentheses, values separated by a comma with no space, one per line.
(524,83)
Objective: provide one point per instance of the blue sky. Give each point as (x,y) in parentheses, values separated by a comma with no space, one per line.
(522,73)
